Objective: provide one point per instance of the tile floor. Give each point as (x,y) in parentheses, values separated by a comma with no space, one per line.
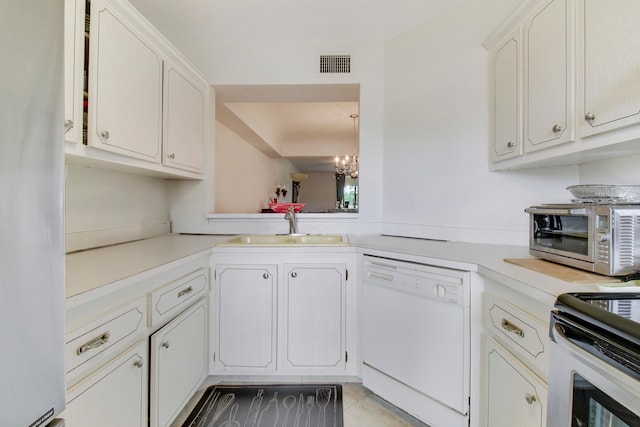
(361,408)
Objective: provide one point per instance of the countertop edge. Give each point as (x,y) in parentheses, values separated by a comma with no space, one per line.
(92,273)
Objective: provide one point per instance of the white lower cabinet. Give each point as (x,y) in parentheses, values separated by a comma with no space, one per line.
(283,318)
(115,395)
(313,316)
(515,349)
(246,322)
(137,364)
(179,363)
(515,395)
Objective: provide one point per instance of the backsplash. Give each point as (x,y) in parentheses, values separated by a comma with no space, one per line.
(106,207)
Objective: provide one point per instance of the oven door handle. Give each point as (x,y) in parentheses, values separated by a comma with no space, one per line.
(556,211)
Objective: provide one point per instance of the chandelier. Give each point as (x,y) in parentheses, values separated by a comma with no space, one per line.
(348,165)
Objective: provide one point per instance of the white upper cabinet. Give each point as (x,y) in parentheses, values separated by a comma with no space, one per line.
(507,92)
(548,79)
(580,83)
(609,59)
(183,134)
(74,39)
(137,104)
(125,87)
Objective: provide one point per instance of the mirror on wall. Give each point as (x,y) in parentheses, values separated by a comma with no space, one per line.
(267,133)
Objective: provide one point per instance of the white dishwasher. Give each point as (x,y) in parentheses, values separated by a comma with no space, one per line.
(416,339)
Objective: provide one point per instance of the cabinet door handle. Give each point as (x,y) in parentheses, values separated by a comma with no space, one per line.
(557,129)
(589,117)
(530,398)
(172,156)
(165,344)
(510,327)
(265,276)
(186,291)
(68,125)
(93,343)
(104,134)
(511,144)
(294,274)
(138,363)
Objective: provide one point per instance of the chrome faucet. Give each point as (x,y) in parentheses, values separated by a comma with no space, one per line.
(293,221)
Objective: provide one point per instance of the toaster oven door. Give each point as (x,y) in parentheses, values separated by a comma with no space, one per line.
(562,235)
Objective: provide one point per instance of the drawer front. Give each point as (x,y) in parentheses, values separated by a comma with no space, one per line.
(519,331)
(171,299)
(102,338)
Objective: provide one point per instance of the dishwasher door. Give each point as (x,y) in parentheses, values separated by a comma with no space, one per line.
(416,328)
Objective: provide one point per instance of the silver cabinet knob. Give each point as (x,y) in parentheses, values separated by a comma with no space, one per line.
(265,276)
(294,274)
(138,363)
(68,125)
(557,128)
(589,117)
(165,344)
(104,134)
(511,144)
(530,398)
(172,156)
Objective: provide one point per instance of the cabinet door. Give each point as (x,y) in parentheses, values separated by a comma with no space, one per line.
(514,394)
(246,318)
(548,76)
(179,356)
(314,328)
(115,395)
(610,41)
(125,86)
(506,99)
(183,120)
(74,36)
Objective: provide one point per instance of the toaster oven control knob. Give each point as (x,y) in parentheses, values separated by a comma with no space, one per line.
(602,237)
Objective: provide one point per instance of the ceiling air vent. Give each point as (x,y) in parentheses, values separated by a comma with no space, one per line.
(335,64)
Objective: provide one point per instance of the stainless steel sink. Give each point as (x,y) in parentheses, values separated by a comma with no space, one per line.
(287,240)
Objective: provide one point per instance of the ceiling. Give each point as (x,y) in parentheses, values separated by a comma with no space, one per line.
(307,124)
(260,21)
(292,121)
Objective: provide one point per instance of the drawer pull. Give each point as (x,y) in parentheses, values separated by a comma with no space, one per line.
(530,398)
(138,363)
(510,327)
(186,291)
(94,343)
(165,344)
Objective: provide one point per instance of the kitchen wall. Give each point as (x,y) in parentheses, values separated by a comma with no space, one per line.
(424,126)
(246,178)
(436,132)
(104,207)
(318,191)
(621,170)
(290,63)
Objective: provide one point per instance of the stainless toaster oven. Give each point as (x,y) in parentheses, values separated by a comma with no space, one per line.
(602,238)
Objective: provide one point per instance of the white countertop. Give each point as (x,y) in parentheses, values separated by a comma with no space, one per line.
(486,259)
(92,269)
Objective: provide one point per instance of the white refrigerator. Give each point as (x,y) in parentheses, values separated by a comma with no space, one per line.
(32,277)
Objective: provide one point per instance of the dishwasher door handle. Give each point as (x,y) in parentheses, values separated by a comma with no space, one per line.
(380,276)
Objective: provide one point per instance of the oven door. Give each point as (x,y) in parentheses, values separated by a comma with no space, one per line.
(562,234)
(585,391)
